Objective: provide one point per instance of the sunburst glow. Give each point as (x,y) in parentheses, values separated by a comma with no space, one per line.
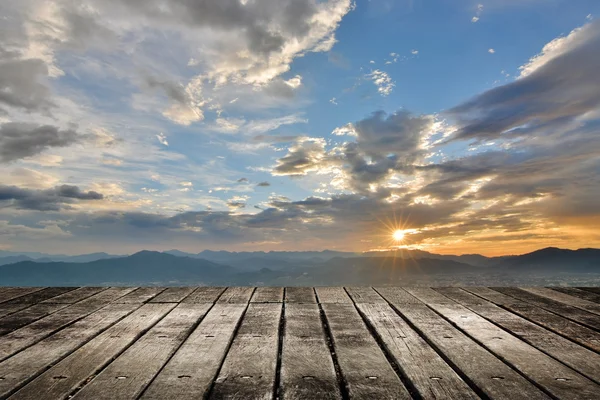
(398,235)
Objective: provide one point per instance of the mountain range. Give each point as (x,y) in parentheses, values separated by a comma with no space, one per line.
(296,268)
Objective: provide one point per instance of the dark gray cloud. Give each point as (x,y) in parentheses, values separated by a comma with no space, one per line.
(20,85)
(55,199)
(20,140)
(304,156)
(242,180)
(562,89)
(263,184)
(173,90)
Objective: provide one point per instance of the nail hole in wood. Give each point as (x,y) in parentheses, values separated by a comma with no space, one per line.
(163,336)
(1,378)
(184,376)
(246,376)
(59,377)
(447,337)
(308,378)
(562,379)
(115,337)
(209,336)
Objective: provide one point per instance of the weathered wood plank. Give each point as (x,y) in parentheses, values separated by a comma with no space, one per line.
(14,292)
(128,375)
(19,319)
(332,295)
(64,377)
(34,360)
(205,294)
(40,295)
(35,331)
(575,356)
(364,294)
(7,309)
(591,289)
(567,311)
(364,367)
(249,369)
(236,295)
(140,295)
(586,305)
(172,295)
(550,374)
(582,294)
(307,369)
(190,372)
(267,295)
(300,295)
(571,330)
(430,375)
(76,295)
(476,364)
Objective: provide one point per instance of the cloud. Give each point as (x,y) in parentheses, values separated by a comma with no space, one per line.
(54,199)
(162,138)
(304,156)
(563,88)
(383,81)
(242,180)
(491,51)
(20,85)
(478,12)
(263,184)
(21,140)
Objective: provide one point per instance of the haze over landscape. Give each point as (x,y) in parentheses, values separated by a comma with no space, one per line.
(435,127)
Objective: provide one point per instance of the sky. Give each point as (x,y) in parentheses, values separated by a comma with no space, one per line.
(468,126)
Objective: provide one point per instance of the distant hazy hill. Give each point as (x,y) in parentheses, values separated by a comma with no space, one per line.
(294,268)
(7,257)
(143,268)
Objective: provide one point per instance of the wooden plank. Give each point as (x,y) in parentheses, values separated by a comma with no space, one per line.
(40,295)
(476,364)
(364,294)
(582,294)
(76,295)
(267,295)
(132,371)
(366,372)
(430,375)
(300,295)
(567,311)
(553,376)
(236,295)
(591,289)
(571,330)
(64,377)
(35,331)
(190,372)
(307,369)
(575,356)
(206,294)
(15,292)
(564,298)
(332,295)
(29,363)
(26,316)
(140,295)
(173,295)
(249,369)
(7,309)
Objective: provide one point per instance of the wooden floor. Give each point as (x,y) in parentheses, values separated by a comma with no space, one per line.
(299,343)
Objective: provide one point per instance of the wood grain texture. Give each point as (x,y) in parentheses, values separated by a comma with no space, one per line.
(34,360)
(172,295)
(140,295)
(73,296)
(335,294)
(307,369)
(563,326)
(431,376)
(12,293)
(236,295)
(575,356)
(484,370)
(582,294)
(267,295)
(190,372)
(128,375)
(205,294)
(63,378)
(548,373)
(365,369)
(300,295)
(365,295)
(249,369)
(573,313)
(564,298)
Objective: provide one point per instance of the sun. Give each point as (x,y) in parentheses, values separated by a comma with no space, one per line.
(398,235)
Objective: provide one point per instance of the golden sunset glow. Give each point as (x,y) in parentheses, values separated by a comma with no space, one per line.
(398,235)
